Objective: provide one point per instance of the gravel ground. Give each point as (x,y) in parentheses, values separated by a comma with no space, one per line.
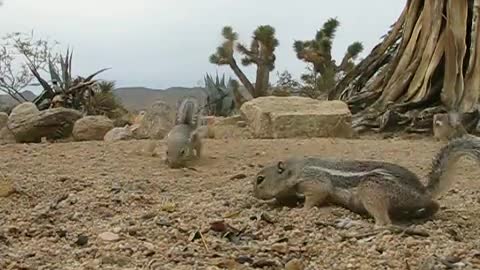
(93,205)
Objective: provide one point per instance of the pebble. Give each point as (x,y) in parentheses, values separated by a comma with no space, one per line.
(109,236)
(280,247)
(294,264)
(82,240)
(6,188)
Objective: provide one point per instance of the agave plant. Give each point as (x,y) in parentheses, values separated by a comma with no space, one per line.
(220,97)
(73,93)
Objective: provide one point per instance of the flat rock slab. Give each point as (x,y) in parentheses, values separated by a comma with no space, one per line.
(291,117)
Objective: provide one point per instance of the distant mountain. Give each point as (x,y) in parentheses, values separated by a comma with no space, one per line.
(133,98)
(140,98)
(6,100)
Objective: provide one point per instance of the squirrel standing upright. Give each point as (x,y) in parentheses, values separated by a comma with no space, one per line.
(382,190)
(184,139)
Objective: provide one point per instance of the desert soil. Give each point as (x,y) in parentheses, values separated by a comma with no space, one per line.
(93,205)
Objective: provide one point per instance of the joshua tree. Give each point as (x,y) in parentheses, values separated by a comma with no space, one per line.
(429,62)
(318,52)
(260,53)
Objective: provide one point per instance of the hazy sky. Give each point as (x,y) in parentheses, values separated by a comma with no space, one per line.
(164,43)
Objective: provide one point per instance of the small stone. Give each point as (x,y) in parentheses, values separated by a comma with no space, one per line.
(238,176)
(244,260)
(294,264)
(163,222)
(280,247)
(6,188)
(61,233)
(109,236)
(264,263)
(82,240)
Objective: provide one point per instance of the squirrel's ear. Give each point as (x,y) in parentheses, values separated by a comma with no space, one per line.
(280,167)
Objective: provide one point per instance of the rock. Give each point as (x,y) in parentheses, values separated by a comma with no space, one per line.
(3,120)
(155,123)
(92,128)
(118,134)
(290,117)
(6,188)
(29,125)
(6,136)
(281,248)
(294,264)
(241,124)
(109,236)
(23,109)
(210,131)
(82,240)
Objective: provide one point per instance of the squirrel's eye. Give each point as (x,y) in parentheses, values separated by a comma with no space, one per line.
(260,179)
(182,152)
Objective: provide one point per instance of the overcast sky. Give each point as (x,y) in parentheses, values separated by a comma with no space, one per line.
(164,43)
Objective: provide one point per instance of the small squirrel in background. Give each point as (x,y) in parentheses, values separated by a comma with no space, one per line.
(447,126)
(383,190)
(184,141)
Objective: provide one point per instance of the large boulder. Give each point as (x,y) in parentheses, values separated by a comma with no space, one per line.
(92,128)
(155,123)
(22,109)
(290,117)
(6,136)
(118,134)
(30,125)
(3,120)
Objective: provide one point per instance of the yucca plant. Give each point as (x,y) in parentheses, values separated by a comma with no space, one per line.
(75,93)
(220,97)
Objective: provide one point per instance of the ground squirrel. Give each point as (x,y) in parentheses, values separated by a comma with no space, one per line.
(184,139)
(447,126)
(383,190)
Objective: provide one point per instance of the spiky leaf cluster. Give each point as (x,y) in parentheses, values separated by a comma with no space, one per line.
(262,48)
(75,92)
(220,97)
(224,53)
(318,50)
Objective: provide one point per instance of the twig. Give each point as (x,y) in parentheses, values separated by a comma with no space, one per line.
(392,229)
(203,241)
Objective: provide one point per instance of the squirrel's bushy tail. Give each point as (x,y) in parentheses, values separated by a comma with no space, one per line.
(441,175)
(188,112)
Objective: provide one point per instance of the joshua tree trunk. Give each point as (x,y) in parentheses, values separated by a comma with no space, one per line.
(239,98)
(429,62)
(261,84)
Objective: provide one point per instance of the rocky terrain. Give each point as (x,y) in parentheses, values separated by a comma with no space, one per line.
(97,205)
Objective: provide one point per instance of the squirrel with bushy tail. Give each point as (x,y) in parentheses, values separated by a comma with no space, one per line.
(184,141)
